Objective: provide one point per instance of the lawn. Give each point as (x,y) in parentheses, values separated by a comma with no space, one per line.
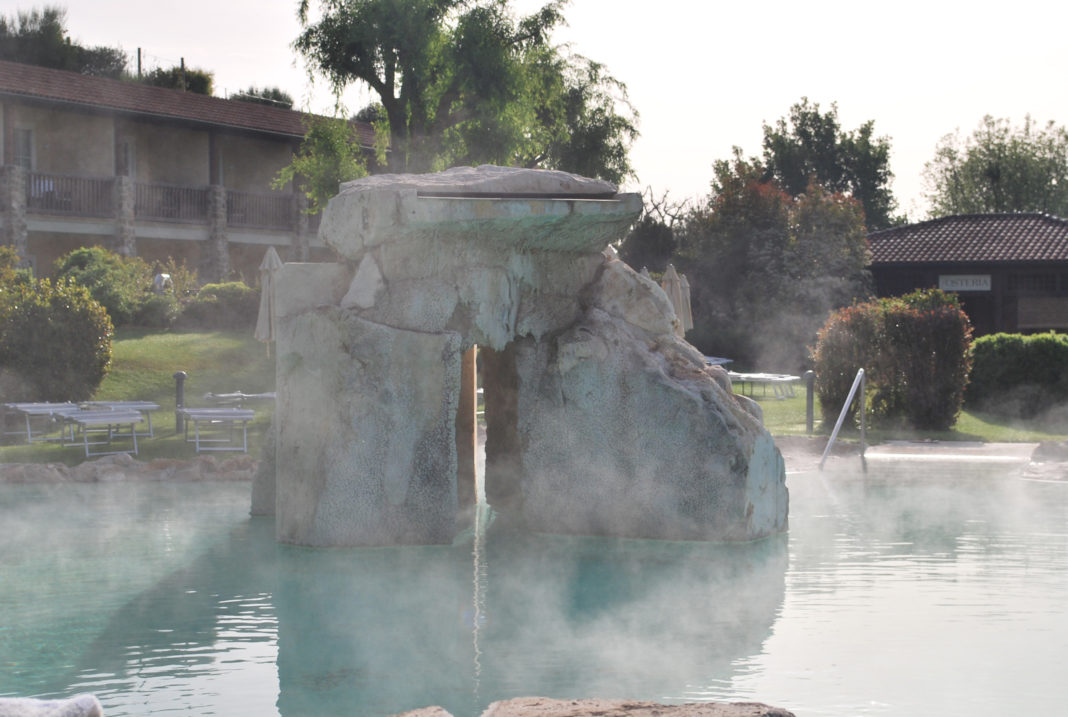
(787,417)
(144,363)
(143,366)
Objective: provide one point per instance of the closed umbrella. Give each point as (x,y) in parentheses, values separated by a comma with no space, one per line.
(672,286)
(686,317)
(265,321)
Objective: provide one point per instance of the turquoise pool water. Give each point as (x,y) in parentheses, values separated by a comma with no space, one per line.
(912,597)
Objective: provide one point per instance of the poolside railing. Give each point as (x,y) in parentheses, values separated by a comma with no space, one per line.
(858,382)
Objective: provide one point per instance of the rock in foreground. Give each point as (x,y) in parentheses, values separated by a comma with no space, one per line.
(545,707)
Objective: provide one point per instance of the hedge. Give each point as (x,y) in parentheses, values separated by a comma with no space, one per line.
(1019,376)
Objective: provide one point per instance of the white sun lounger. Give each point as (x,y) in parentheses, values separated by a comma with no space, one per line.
(216,419)
(105,421)
(782,385)
(43,411)
(145,407)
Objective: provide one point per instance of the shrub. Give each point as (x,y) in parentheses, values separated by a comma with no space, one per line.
(232,305)
(55,342)
(915,352)
(158,311)
(121,284)
(1019,376)
(846,343)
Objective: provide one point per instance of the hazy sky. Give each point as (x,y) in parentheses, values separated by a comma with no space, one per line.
(703,75)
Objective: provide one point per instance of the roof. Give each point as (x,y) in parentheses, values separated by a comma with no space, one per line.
(973,238)
(101,93)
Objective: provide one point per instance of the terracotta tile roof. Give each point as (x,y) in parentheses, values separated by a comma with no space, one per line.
(973,238)
(100,93)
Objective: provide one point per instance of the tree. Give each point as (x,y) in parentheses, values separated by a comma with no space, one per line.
(1000,168)
(467,82)
(766,268)
(330,154)
(39,37)
(180,77)
(651,243)
(60,321)
(272,96)
(810,146)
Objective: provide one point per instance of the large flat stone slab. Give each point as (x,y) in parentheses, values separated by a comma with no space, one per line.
(545,707)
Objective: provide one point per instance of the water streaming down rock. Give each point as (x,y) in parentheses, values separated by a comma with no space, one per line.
(600,419)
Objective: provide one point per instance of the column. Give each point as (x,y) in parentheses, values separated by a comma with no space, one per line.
(13,206)
(215,258)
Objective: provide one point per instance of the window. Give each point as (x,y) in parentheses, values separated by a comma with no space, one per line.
(24,148)
(126,159)
(1033,284)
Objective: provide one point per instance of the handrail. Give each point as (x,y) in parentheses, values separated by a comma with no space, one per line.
(858,381)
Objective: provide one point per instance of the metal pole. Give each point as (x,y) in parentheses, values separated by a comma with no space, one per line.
(863,421)
(857,382)
(179,401)
(810,400)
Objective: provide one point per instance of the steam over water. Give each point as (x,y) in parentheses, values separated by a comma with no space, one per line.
(923,596)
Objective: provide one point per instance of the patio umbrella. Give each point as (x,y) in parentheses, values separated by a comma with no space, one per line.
(687,308)
(672,286)
(265,321)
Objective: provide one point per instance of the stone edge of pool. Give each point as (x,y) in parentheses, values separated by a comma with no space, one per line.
(546,707)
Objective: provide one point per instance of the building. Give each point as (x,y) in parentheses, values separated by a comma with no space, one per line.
(1010,270)
(147,171)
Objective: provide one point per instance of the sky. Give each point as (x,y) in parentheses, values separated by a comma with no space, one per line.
(704,76)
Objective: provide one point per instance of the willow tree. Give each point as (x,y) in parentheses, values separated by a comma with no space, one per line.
(469,82)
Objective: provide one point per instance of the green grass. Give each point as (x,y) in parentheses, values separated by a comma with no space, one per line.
(787,417)
(144,363)
(143,366)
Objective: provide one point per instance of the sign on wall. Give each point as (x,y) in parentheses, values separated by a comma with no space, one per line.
(964,282)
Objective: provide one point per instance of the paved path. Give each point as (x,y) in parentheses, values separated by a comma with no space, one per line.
(802,455)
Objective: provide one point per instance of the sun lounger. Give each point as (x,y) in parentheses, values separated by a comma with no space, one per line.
(782,385)
(217,420)
(47,416)
(104,422)
(145,407)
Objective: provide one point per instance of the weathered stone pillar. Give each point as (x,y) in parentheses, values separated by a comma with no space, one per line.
(13,205)
(215,258)
(124,194)
(302,234)
(366,451)
(467,430)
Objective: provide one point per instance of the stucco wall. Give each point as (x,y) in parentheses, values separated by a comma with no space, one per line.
(168,154)
(68,142)
(250,164)
(46,247)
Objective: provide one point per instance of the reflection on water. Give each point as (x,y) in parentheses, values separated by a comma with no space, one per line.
(912,597)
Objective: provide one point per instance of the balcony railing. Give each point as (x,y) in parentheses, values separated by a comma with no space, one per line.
(165,202)
(260,211)
(65,195)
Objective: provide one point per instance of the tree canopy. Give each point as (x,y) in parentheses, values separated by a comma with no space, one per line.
(766,268)
(810,146)
(39,37)
(330,154)
(1000,168)
(178,77)
(469,82)
(272,96)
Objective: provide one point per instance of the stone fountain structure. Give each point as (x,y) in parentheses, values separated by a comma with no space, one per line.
(599,419)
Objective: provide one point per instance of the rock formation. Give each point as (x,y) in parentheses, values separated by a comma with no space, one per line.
(600,420)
